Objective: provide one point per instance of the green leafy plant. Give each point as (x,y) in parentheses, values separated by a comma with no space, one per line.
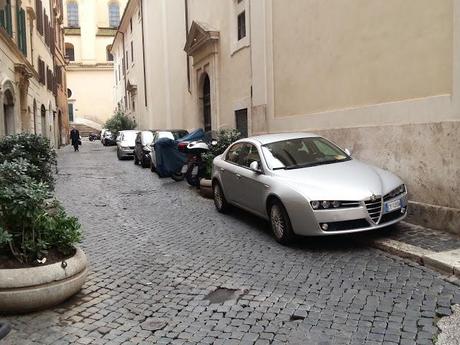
(120,122)
(31,224)
(225,137)
(36,150)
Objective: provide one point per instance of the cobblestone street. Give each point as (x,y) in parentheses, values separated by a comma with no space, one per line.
(157,249)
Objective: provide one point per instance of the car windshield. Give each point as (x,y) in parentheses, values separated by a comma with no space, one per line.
(179,134)
(129,136)
(147,137)
(302,153)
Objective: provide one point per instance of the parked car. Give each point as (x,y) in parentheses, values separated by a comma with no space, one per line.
(5,328)
(108,138)
(94,136)
(306,185)
(142,148)
(126,141)
(173,134)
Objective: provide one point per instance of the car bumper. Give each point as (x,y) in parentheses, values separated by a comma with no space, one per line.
(347,221)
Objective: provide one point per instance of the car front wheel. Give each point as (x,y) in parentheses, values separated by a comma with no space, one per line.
(219,199)
(280,223)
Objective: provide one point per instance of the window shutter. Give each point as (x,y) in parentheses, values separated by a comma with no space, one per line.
(22,35)
(2,18)
(8,19)
(39,14)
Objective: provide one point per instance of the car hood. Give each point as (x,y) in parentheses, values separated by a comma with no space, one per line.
(350,180)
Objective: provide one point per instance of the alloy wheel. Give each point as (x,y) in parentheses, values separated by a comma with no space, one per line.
(277,220)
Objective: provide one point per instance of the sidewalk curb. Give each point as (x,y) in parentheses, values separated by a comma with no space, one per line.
(445,262)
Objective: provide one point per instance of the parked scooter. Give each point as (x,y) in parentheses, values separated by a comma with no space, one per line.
(193,169)
(94,136)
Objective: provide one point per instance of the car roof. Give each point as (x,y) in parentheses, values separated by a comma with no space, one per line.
(273,138)
(129,131)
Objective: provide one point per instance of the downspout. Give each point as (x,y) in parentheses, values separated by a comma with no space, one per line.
(125,71)
(143,53)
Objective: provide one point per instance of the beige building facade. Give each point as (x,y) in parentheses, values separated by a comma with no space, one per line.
(380,78)
(29,30)
(90,26)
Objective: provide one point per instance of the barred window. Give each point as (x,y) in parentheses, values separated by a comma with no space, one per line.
(72,14)
(114,14)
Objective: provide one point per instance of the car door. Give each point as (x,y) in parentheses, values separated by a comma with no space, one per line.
(250,191)
(228,171)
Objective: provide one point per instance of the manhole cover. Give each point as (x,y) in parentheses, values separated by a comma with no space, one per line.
(221,295)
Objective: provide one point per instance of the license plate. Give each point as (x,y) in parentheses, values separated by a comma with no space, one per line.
(392,205)
(195,171)
(184,169)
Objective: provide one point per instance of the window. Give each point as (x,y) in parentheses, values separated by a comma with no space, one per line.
(22,31)
(6,20)
(72,14)
(114,15)
(132,52)
(241,25)
(41,71)
(70,51)
(234,153)
(39,12)
(241,117)
(108,53)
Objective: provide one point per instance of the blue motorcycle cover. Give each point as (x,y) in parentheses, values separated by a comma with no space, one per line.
(169,158)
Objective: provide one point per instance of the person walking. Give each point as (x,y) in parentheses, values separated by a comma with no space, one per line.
(75,138)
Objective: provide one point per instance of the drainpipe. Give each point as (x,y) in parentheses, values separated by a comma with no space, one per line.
(125,70)
(143,53)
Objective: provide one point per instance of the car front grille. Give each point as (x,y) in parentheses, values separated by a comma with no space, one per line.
(349,204)
(348,225)
(374,208)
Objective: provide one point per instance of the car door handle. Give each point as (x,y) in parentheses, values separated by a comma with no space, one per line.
(222,169)
(238,176)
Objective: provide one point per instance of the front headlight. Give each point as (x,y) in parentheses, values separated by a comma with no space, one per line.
(325,204)
(397,191)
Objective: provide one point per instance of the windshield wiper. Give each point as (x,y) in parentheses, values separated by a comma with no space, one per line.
(307,165)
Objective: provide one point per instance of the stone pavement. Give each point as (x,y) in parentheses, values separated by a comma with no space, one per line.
(435,249)
(166,268)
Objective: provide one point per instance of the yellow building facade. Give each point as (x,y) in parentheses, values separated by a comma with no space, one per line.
(30,78)
(90,28)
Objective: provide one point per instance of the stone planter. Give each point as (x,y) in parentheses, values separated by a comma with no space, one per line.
(206,188)
(25,290)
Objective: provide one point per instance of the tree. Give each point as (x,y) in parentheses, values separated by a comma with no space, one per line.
(120,122)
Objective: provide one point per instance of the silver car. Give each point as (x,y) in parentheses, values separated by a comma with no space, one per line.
(305,185)
(125,144)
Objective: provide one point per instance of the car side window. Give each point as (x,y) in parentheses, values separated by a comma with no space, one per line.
(248,155)
(234,153)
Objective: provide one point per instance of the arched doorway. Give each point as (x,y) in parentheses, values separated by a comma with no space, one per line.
(8,111)
(207,103)
(43,120)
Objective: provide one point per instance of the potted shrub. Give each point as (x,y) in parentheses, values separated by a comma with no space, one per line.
(39,264)
(225,137)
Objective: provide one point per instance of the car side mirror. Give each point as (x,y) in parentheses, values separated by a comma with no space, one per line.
(348,152)
(255,166)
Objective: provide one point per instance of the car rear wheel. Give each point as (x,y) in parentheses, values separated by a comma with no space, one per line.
(219,198)
(280,223)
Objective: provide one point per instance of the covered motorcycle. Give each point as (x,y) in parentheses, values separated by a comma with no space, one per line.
(169,159)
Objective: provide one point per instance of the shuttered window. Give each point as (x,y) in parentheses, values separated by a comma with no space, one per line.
(41,71)
(39,12)
(22,31)
(114,15)
(6,20)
